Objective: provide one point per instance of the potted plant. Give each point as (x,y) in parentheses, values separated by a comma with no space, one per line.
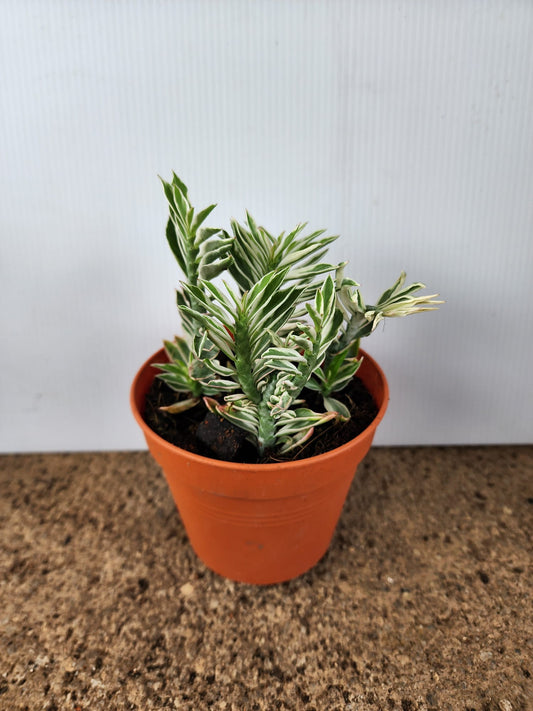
(266,364)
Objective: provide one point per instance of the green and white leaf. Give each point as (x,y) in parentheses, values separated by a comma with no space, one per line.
(240,412)
(256,252)
(336,371)
(199,252)
(362,319)
(187,370)
(296,426)
(334,405)
(399,301)
(286,325)
(181,406)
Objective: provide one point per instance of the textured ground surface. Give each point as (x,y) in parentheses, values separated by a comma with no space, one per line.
(422,603)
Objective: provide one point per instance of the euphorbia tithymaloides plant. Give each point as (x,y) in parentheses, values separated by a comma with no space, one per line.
(289,321)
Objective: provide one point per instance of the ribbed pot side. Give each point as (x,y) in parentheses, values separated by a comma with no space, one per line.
(260,523)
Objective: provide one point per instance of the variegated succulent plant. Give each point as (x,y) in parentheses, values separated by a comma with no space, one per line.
(289,321)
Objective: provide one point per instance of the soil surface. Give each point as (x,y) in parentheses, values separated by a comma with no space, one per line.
(423,602)
(200,432)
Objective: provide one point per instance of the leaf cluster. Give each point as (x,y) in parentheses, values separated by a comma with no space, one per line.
(288,321)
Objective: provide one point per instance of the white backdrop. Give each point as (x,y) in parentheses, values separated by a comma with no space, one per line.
(403,126)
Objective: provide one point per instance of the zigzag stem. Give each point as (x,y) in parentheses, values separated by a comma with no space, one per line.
(266,433)
(243,360)
(358,327)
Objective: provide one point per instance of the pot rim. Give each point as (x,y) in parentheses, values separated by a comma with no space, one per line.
(159,355)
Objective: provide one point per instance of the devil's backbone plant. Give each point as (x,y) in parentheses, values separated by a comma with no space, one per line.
(288,321)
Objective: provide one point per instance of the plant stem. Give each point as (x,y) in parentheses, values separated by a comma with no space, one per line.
(243,361)
(357,328)
(266,434)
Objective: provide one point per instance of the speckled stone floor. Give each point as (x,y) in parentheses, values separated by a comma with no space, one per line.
(423,601)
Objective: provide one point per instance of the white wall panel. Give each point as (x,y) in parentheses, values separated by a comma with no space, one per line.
(403,126)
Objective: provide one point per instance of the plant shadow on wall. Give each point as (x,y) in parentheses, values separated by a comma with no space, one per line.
(285,334)
(268,382)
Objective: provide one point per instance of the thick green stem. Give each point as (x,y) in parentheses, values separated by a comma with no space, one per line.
(243,361)
(192,263)
(305,374)
(266,435)
(358,327)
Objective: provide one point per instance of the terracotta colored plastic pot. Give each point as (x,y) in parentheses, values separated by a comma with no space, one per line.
(260,523)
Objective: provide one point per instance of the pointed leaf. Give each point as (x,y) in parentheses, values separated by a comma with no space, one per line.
(201,217)
(180,406)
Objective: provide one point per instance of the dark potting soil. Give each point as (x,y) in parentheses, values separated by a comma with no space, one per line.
(201,432)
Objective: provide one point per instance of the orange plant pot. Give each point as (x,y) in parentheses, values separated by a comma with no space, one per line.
(260,523)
